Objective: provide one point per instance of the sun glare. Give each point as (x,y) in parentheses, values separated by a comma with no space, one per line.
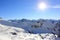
(42,6)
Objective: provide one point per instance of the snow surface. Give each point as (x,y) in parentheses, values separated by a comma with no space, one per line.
(19,30)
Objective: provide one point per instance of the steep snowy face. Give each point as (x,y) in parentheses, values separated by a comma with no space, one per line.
(28,30)
(32,26)
(14,33)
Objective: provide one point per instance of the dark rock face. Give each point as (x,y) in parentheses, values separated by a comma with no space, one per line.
(58,33)
(58,28)
(13,33)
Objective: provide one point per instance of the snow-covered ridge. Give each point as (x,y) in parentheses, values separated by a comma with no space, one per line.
(13,33)
(29,29)
(33,26)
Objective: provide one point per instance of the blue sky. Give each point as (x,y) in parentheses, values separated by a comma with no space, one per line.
(19,9)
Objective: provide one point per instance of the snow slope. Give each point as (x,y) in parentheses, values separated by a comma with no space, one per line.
(19,30)
(7,33)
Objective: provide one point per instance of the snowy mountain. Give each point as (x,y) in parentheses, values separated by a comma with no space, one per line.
(29,29)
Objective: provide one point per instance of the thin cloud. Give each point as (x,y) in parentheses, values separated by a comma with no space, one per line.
(56,6)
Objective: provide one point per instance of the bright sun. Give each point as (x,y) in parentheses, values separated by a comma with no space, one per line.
(42,6)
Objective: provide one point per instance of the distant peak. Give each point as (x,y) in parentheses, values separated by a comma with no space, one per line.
(1,18)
